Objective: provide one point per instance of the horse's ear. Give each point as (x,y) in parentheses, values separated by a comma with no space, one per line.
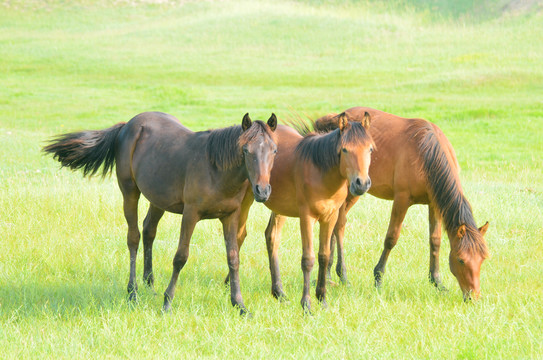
(246,122)
(483,229)
(461,232)
(272,122)
(342,121)
(366,121)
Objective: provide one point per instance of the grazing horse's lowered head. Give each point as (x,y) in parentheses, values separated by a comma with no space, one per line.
(468,251)
(259,147)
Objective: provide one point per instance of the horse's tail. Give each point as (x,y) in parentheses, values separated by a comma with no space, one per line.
(303,125)
(441,171)
(87,150)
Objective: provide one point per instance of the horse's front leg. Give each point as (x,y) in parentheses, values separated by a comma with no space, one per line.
(325,233)
(338,235)
(242,223)
(230,225)
(308,256)
(190,218)
(434,219)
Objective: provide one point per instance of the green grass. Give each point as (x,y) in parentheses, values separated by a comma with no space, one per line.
(470,68)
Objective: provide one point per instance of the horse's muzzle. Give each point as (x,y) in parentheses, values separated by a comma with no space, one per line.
(262,193)
(359,187)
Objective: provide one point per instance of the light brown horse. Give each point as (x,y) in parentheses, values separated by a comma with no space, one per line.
(202,175)
(311,178)
(414,163)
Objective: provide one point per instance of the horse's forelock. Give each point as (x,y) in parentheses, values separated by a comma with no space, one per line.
(355,134)
(252,134)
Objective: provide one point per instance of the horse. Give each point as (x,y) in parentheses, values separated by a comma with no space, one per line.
(414,163)
(202,175)
(311,178)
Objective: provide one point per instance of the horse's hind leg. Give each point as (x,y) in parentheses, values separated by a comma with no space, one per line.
(273,236)
(399,208)
(150,223)
(131,196)
(434,219)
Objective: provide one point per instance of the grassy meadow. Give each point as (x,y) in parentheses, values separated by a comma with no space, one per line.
(475,69)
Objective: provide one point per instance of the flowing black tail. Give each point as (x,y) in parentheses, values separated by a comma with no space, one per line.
(86,150)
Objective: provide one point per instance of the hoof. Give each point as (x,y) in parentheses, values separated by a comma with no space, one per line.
(280,296)
(378,279)
(306,306)
(344,281)
(324,304)
(167,307)
(243,312)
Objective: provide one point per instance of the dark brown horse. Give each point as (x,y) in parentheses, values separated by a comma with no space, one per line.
(202,175)
(311,178)
(414,163)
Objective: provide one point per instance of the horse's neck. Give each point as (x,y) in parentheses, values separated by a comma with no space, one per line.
(332,179)
(232,177)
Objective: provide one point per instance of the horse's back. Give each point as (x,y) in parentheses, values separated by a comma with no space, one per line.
(154,150)
(397,154)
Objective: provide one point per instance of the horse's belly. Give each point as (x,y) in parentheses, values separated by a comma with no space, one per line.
(381,191)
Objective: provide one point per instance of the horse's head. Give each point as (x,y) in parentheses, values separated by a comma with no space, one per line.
(468,251)
(259,148)
(355,148)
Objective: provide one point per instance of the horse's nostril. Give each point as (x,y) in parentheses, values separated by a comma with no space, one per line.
(358,182)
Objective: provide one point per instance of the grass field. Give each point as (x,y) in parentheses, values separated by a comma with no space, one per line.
(475,69)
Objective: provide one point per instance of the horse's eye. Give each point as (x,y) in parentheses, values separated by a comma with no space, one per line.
(344,150)
(461,261)
(371,150)
(275,151)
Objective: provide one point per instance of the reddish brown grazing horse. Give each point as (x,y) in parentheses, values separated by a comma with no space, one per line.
(202,175)
(414,163)
(311,178)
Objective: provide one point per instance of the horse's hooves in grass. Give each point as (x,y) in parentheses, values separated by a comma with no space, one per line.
(132,297)
(324,304)
(281,297)
(243,312)
(166,309)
